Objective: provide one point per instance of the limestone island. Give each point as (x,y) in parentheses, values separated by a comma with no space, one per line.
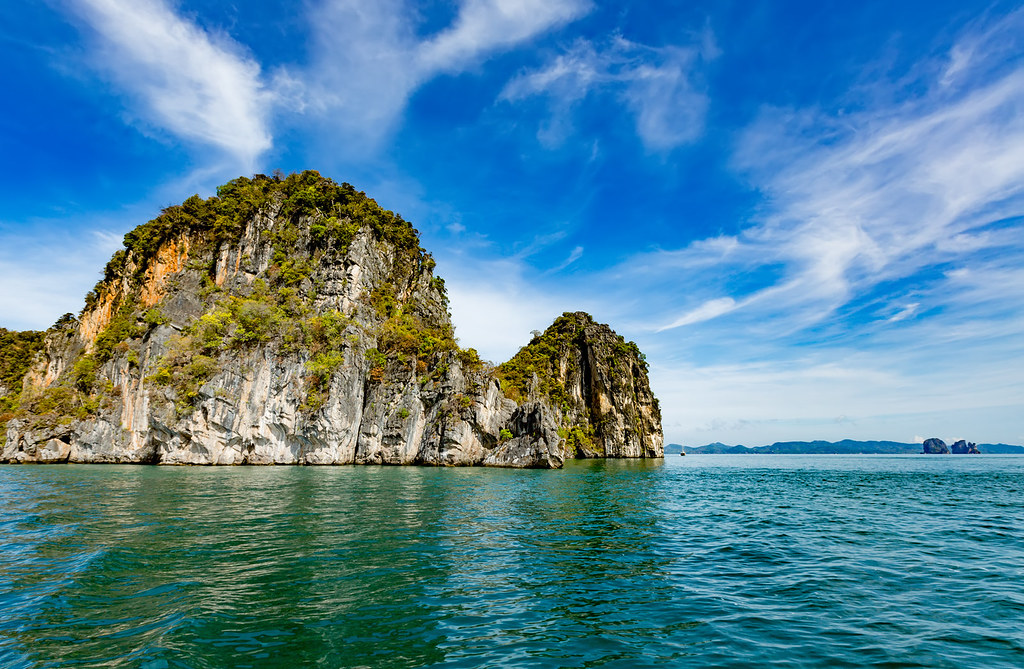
(292,320)
(936,446)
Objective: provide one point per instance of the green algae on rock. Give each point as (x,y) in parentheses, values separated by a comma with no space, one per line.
(295,321)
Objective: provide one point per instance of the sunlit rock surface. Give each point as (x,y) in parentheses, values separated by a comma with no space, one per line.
(294,321)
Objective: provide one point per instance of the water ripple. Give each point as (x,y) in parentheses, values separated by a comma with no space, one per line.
(711,561)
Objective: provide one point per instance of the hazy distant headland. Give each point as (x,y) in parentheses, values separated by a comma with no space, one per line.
(844,447)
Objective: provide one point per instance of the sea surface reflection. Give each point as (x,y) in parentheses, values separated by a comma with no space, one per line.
(697,561)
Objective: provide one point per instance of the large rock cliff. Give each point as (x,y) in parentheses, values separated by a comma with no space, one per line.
(295,321)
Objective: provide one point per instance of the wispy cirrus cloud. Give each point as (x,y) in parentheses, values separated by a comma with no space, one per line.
(32,299)
(659,86)
(883,265)
(983,46)
(486,26)
(882,196)
(704,312)
(368,59)
(198,85)
(573,256)
(904,312)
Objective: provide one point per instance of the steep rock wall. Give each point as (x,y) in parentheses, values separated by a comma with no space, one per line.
(297,322)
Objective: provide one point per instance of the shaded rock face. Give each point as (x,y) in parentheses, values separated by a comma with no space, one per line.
(935,446)
(963,447)
(307,329)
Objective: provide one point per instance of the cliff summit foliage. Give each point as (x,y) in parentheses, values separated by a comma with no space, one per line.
(337,212)
(536,367)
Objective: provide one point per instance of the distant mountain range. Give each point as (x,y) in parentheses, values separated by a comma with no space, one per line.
(844,447)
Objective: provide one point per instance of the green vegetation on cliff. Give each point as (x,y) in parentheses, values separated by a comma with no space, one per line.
(582,368)
(16,352)
(304,217)
(337,212)
(58,403)
(547,357)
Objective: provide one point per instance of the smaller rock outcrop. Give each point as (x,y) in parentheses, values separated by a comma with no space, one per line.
(596,385)
(963,447)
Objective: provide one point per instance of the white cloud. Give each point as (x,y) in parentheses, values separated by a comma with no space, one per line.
(197,85)
(203,87)
(574,255)
(494,307)
(669,111)
(656,84)
(362,68)
(904,313)
(367,58)
(707,311)
(483,26)
(568,78)
(48,272)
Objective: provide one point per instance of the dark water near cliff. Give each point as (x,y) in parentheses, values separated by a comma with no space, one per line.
(802,561)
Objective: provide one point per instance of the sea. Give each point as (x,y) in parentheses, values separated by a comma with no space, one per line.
(695,561)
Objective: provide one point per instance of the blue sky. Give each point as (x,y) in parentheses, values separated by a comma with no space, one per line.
(808,214)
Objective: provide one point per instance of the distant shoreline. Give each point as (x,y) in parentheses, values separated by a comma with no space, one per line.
(844,447)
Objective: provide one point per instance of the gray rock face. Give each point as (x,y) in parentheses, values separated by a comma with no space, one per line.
(537,443)
(159,396)
(935,446)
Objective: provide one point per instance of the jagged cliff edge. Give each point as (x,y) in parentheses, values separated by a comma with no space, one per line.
(294,321)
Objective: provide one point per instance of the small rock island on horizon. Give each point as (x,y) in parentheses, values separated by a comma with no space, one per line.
(295,321)
(961,447)
(849,447)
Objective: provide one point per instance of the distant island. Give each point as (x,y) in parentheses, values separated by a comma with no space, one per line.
(844,447)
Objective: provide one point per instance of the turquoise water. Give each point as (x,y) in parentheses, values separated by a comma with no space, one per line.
(702,561)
